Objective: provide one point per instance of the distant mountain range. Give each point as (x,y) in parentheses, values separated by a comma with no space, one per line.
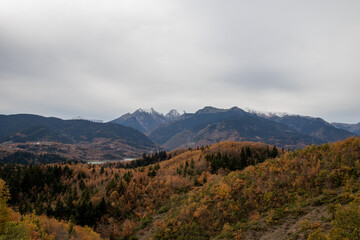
(146,120)
(145,130)
(30,128)
(210,125)
(314,127)
(354,128)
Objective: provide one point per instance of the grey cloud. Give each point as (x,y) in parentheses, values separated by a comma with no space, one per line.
(263,80)
(102,59)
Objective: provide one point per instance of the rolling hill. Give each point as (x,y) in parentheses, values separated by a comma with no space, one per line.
(30,128)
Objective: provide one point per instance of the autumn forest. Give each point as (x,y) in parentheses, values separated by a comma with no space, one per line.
(229,190)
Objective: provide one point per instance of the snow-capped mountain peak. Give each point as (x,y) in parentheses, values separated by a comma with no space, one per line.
(146,120)
(266,114)
(150,111)
(172,114)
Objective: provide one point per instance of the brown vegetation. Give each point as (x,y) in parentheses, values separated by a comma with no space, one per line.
(184,198)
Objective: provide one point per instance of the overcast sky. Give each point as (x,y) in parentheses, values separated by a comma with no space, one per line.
(101,59)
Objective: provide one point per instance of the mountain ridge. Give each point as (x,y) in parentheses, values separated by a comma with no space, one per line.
(210,125)
(174,130)
(145,120)
(312,126)
(354,128)
(30,128)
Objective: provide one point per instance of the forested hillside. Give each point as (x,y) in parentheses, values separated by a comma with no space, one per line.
(229,190)
(71,139)
(32,226)
(33,128)
(26,158)
(312,193)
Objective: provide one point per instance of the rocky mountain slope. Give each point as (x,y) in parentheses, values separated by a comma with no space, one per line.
(146,120)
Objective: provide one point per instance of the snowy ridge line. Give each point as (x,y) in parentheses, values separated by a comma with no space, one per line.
(268,114)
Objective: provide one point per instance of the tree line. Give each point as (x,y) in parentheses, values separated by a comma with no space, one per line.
(26,158)
(35,187)
(145,160)
(237,162)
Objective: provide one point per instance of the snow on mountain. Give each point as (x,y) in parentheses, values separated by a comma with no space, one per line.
(150,111)
(266,114)
(172,115)
(146,120)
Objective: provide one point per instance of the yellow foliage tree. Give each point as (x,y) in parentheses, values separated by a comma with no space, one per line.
(4,210)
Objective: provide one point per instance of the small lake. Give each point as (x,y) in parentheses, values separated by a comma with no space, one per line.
(106,161)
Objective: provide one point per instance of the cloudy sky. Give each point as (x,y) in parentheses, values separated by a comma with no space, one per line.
(101,59)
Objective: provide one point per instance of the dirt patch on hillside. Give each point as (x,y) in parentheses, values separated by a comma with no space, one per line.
(291,227)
